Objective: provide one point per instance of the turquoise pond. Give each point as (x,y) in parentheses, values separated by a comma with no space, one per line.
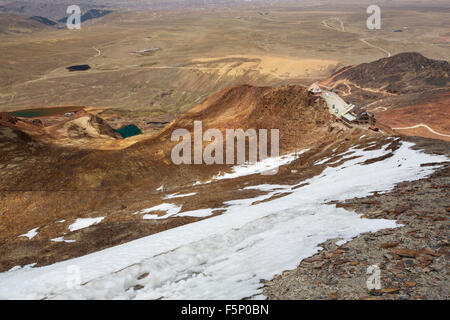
(128,131)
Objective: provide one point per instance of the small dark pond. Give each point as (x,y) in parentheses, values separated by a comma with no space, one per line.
(80,67)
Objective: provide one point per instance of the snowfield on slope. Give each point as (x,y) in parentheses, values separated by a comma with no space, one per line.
(82,223)
(268,166)
(226,256)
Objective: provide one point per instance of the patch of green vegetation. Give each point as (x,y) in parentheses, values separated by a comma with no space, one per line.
(134,113)
(184,103)
(7,94)
(42,112)
(162,101)
(134,86)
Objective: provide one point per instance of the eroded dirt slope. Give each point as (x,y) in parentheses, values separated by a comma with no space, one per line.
(403,91)
(43,184)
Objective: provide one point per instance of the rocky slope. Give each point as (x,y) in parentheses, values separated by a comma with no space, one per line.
(402,73)
(413,260)
(129,193)
(43,183)
(403,91)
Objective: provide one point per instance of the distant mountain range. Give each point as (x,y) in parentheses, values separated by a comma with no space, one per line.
(13,23)
(89,15)
(44,20)
(51,9)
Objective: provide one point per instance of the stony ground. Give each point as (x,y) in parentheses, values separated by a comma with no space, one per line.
(413,259)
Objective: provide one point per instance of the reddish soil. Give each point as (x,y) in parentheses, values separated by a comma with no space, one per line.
(435,114)
(403,91)
(43,183)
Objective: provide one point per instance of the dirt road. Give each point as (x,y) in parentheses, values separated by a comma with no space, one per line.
(423,126)
(388,54)
(342,29)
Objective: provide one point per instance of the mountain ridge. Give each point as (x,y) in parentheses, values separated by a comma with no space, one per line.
(403,91)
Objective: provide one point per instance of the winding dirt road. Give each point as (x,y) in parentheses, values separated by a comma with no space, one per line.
(99,53)
(423,126)
(325,24)
(342,29)
(388,54)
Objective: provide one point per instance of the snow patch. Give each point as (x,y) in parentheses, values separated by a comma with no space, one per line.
(197,183)
(227,256)
(201,213)
(170,209)
(28,266)
(30,234)
(82,223)
(61,239)
(263,166)
(176,195)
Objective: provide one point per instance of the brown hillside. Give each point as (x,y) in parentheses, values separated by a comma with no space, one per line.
(303,120)
(300,117)
(402,73)
(43,183)
(403,91)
